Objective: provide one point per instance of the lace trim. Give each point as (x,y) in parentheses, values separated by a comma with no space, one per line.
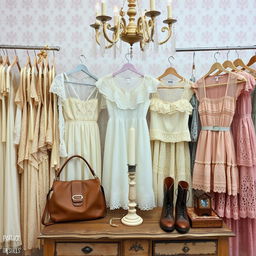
(57,86)
(170,108)
(169,137)
(127,100)
(62,146)
(213,162)
(144,207)
(207,188)
(247,197)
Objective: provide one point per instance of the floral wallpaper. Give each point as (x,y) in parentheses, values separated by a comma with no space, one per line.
(66,23)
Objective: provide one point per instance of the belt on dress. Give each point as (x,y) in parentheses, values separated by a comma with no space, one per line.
(215,128)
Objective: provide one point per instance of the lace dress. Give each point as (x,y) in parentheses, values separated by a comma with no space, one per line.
(169,134)
(240,210)
(127,103)
(79,131)
(215,166)
(254,108)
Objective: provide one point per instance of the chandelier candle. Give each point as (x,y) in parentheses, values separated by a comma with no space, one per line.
(103,8)
(169,9)
(115,16)
(97,11)
(152,5)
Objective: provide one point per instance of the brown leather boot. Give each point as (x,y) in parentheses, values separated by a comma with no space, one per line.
(181,218)
(167,219)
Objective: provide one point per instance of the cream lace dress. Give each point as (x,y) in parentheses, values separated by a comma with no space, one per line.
(79,132)
(127,102)
(169,134)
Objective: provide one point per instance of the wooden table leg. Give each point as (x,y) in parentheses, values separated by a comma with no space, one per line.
(223,249)
(49,247)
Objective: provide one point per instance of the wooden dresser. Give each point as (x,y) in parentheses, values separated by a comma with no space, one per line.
(98,238)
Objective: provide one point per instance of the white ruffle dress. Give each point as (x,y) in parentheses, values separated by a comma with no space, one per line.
(127,103)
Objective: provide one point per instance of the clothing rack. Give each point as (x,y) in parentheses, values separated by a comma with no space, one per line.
(221,48)
(28,47)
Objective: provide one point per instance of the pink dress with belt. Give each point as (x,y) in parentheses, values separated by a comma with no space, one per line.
(215,166)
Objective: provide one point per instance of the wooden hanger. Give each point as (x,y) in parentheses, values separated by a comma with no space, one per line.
(16,61)
(228,64)
(239,63)
(28,63)
(1,58)
(170,71)
(217,66)
(252,60)
(35,61)
(6,59)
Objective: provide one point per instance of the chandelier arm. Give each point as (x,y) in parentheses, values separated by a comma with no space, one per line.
(147,31)
(106,27)
(97,36)
(140,25)
(123,24)
(169,30)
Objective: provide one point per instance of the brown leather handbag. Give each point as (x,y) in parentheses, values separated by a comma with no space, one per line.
(75,200)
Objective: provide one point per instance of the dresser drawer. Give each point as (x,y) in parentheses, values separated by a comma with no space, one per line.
(91,249)
(181,248)
(136,247)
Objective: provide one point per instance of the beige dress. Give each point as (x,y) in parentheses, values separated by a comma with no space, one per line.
(2,150)
(169,134)
(12,191)
(79,132)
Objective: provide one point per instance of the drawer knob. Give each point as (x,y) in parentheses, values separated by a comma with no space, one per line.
(185,249)
(87,250)
(136,247)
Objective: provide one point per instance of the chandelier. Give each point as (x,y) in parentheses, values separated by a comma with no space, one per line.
(142,31)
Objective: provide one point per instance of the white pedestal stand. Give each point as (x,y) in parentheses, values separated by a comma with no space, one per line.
(132,218)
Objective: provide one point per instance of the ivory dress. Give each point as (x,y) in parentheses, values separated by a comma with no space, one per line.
(79,131)
(127,103)
(215,166)
(169,134)
(10,196)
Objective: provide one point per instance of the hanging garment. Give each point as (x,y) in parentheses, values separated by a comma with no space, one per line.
(242,207)
(78,127)
(10,198)
(169,134)
(195,126)
(254,108)
(215,166)
(127,103)
(2,157)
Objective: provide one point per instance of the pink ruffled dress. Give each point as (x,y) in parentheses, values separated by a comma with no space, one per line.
(240,210)
(243,205)
(215,166)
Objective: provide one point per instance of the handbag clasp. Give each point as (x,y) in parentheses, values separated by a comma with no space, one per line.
(77,198)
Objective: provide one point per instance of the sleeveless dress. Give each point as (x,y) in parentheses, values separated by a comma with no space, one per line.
(215,166)
(169,134)
(79,131)
(127,103)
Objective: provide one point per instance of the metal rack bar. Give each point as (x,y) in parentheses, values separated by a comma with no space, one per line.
(28,47)
(221,48)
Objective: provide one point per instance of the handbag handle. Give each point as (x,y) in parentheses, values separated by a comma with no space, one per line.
(78,156)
